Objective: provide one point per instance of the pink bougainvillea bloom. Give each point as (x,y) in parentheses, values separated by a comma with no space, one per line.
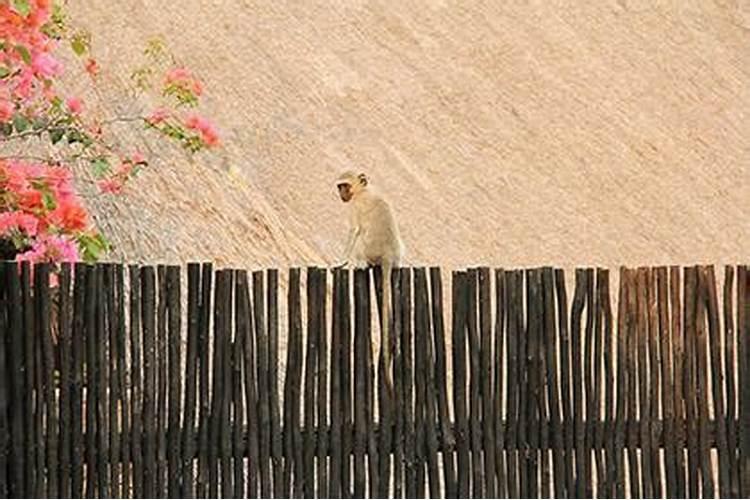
(65,250)
(69,215)
(59,182)
(17,175)
(138,158)
(92,67)
(157,116)
(209,134)
(6,110)
(33,255)
(27,223)
(45,65)
(24,85)
(125,169)
(112,186)
(197,122)
(75,105)
(38,16)
(194,122)
(51,249)
(177,75)
(197,87)
(30,200)
(32,170)
(210,137)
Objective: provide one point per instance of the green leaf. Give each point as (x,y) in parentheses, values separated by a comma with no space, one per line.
(92,246)
(4,72)
(101,167)
(74,136)
(24,53)
(6,128)
(48,199)
(22,7)
(39,123)
(78,46)
(80,43)
(56,134)
(20,123)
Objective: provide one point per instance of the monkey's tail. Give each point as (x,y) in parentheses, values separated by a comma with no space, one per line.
(386,340)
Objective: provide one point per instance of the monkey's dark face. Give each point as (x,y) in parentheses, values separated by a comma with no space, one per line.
(345,192)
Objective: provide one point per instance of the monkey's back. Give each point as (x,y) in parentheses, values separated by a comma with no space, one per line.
(379,237)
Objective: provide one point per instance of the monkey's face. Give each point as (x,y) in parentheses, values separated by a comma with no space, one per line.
(345,191)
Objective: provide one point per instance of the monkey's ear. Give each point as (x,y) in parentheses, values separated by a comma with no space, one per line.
(363,179)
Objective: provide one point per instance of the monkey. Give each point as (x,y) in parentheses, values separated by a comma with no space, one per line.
(373,239)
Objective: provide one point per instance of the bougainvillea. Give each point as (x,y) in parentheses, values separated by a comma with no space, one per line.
(42,218)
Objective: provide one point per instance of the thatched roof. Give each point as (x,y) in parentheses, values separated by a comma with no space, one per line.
(505,133)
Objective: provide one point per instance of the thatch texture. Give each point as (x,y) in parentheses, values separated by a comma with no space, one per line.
(505,133)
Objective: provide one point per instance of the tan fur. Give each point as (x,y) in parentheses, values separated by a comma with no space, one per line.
(373,240)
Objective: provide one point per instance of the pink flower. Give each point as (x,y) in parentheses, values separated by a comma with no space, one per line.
(33,255)
(197,87)
(16,175)
(75,105)
(177,76)
(194,122)
(32,170)
(18,220)
(181,78)
(30,200)
(45,65)
(51,249)
(138,159)
(125,169)
(69,215)
(6,110)
(92,67)
(59,181)
(24,85)
(112,186)
(210,137)
(157,116)
(40,15)
(58,176)
(65,249)
(209,134)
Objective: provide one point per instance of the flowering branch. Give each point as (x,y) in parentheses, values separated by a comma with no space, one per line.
(41,215)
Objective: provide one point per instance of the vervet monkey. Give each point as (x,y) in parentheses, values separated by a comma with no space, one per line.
(374,240)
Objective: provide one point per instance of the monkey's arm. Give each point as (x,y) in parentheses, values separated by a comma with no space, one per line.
(350,244)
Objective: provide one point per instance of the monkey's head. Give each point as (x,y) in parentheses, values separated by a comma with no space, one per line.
(350,185)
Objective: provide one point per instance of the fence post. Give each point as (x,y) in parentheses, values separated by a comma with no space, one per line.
(549,339)
(460,303)
(272,297)
(743,337)
(447,439)
(191,372)
(730,354)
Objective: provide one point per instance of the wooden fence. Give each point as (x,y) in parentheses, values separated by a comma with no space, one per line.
(107,389)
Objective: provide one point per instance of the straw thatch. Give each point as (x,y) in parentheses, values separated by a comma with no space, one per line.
(507,133)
